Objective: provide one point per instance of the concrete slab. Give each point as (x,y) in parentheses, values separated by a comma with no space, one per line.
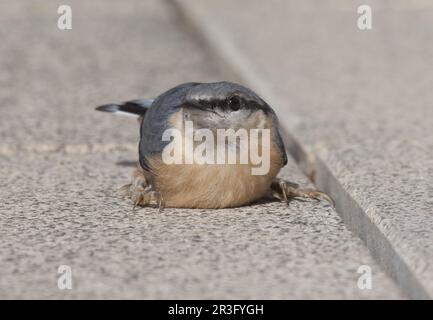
(61,163)
(65,211)
(52,79)
(359,108)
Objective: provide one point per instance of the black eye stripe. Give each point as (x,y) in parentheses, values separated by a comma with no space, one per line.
(233,103)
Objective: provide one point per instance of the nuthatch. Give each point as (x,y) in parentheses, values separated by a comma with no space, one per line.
(197,184)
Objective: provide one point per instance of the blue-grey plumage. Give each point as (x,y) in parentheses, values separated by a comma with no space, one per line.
(156,122)
(212,106)
(197,96)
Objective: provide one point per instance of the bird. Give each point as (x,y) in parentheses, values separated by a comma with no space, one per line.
(210,108)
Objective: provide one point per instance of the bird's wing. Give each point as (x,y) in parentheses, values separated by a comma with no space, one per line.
(156,122)
(280,145)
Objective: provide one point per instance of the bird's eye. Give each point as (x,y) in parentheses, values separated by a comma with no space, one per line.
(234,103)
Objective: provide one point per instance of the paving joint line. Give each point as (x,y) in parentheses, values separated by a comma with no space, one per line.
(10,150)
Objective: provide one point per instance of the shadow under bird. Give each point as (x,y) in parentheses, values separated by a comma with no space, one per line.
(211,106)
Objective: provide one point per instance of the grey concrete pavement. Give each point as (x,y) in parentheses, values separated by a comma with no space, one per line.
(360,113)
(61,164)
(65,211)
(50,79)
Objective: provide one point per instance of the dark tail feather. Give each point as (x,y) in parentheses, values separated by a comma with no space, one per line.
(133,107)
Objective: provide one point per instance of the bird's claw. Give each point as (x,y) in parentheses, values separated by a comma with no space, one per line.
(142,196)
(287,191)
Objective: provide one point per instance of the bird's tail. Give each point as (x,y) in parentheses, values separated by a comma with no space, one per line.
(131,108)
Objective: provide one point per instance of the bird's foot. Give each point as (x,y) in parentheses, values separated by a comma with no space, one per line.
(141,192)
(287,191)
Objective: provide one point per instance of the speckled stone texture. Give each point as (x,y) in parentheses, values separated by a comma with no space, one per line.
(61,164)
(114,52)
(359,101)
(65,211)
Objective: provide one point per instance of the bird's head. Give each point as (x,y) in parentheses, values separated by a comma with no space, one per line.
(225,105)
